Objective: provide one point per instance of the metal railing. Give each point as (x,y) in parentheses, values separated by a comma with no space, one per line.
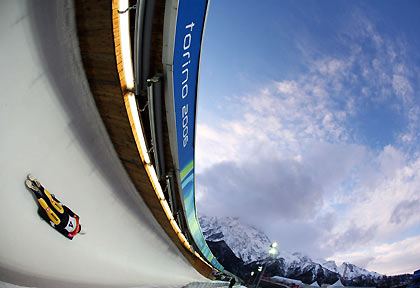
(142,40)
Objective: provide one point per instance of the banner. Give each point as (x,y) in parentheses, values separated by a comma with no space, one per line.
(188,35)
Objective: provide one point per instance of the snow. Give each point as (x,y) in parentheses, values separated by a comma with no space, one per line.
(337,284)
(314,284)
(246,242)
(251,245)
(352,272)
(49,126)
(330,265)
(212,284)
(355,271)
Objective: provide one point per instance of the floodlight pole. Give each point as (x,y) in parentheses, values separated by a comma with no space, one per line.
(272,252)
(250,278)
(262,273)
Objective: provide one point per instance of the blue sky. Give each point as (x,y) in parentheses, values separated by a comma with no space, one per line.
(308,126)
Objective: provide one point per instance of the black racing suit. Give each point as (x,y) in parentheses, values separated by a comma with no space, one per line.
(68,224)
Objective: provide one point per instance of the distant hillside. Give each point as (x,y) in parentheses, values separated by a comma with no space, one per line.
(242,248)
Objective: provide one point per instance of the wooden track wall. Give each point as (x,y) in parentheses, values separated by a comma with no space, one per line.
(101,60)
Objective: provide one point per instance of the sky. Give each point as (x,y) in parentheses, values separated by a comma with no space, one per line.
(308,126)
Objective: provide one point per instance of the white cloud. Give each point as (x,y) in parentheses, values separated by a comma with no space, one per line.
(286,87)
(390,161)
(402,88)
(390,259)
(380,212)
(295,138)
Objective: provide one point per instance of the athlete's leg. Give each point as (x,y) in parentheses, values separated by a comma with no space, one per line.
(52,201)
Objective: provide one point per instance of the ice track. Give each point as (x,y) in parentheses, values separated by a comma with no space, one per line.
(49,126)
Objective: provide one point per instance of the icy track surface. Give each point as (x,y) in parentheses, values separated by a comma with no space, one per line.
(49,126)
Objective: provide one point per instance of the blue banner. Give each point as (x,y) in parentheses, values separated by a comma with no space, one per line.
(187,47)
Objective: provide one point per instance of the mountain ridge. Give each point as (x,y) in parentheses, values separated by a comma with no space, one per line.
(250,248)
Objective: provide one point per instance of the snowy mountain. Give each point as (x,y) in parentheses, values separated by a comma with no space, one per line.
(247,243)
(353,271)
(251,246)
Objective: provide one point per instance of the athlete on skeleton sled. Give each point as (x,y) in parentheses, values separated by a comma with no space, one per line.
(59,216)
